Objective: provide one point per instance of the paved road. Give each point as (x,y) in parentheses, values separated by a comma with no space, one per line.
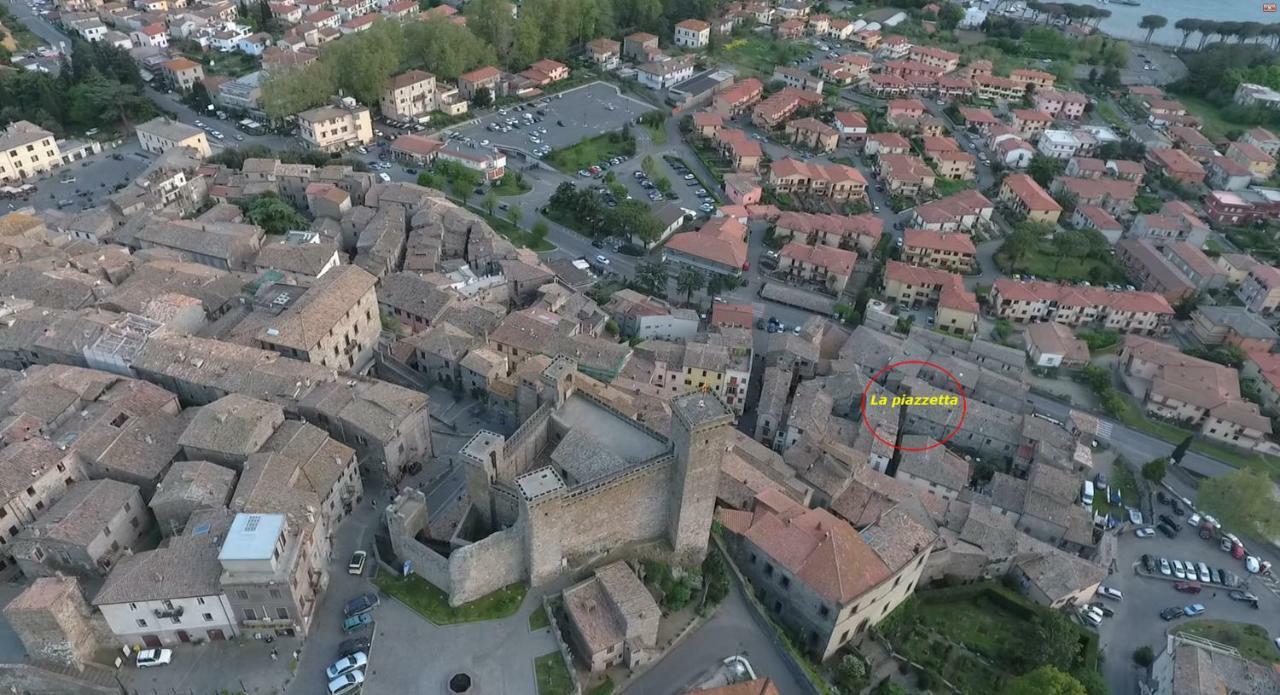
(38,25)
(731,631)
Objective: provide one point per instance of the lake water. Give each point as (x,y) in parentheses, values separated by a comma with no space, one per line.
(1124,19)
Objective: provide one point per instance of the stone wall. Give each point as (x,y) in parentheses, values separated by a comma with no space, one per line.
(486,566)
(34,680)
(630,507)
(524,445)
(54,622)
(406,516)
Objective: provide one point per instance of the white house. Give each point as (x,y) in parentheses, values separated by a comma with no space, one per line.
(664,74)
(1059,144)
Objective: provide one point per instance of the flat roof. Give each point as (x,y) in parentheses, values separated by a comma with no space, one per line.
(252,537)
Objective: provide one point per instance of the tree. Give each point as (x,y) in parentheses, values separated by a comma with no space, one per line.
(1242,498)
(199,98)
(1045,169)
(540,230)
(851,674)
(1056,643)
(888,687)
(362,63)
(651,276)
(515,213)
(1180,450)
(1187,26)
(1185,306)
(1154,470)
(489,202)
(1144,656)
(482,98)
(1152,22)
(491,20)
(1019,244)
(949,16)
(1045,680)
(273,214)
(445,49)
(689,281)
(286,92)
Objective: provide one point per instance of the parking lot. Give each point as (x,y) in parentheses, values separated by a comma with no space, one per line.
(1137,620)
(88,182)
(567,118)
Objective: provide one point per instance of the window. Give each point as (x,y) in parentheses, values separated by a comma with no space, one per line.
(199,600)
(106,531)
(275,593)
(282,613)
(824,612)
(208,617)
(142,623)
(128,507)
(786,582)
(176,620)
(249,614)
(242,595)
(133,606)
(133,522)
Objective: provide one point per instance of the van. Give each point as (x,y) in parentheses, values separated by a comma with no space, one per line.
(1087,497)
(1092,616)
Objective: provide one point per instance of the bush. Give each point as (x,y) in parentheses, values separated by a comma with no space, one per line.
(1144,656)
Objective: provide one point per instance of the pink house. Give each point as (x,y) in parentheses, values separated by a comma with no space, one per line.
(743,189)
(1060,104)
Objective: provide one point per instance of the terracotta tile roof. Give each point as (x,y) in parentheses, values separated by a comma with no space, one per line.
(835,260)
(693,25)
(952,293)
(1099,218)
(1031,194)
(889,140)
(941,241)
(904,168)
(815,546)
(1176,161)
(1067,295)
(851,227)
(850,119)
(947,209)
(481,74)
(720,240)
(1025,115)
(1250,151)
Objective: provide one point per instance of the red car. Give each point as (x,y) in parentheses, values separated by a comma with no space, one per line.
(1187,587)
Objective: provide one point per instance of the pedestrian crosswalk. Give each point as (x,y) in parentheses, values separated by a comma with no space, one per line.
(1104,429)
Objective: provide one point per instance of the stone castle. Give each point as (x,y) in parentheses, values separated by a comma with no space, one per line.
(576,481)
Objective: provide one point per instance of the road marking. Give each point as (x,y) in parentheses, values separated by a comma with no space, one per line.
(1105,429)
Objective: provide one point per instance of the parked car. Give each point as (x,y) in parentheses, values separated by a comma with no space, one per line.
(1108,592)
(1237,595)
(353,645)
(153,657)
(347,664)
(1106,612)
(1193,610)
(1177,509)
(1170,531)
(361,604)
(1144,532)
(1148,563)
(1203,571)
(1171,613)
(1168,520)
(356,566)
(357,622)
(1178,570)
(346,683)
(1193,521)
(1164,567)
(1187,587)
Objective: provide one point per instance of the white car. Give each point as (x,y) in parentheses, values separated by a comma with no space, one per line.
(386,178)
(484,143)
(347,664)
(1164,567)
(154,657)
(602,260)
(1144,532)
(1193,521)
(346,683)
(356,566)
(1110,593)
(1178,571)
(1203,570)
(1253,564)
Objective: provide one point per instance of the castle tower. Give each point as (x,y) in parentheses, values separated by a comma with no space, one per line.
(483,456)
(699,433)
(54,622)
(541,503)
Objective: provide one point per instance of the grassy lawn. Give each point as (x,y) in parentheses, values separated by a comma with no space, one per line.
(761,54)
(426,598)
(1252,640)
(605,688)
(1216,123)
(510,185)
(657,133)
(553,676)
(1110,115)
(590,152)
(538,619)
(1121,479)
(1045,263)
(946,187)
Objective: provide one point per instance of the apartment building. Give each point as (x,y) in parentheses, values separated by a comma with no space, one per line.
(818,575)
(1024,196)
(1152,271)
(1263,139)
(1030,123)
(835,181)
(692,33)
(638,47)
(159,135)
(644,317)
(1092,217)
(181,74)
(334,322)
(947,157)
(796,78)
(1065,105)
(946,61)
(777,108)
(812,134)
(1127,312)
(963,211)
(1177,165)
(827,266)
(914,286)
(1260,289)
(487,77)
(27,151)
(739,97)
(905,175)
(1261,165)
(605,54)
(992,88)
(1036,78)
(336,128)
(273,573)
(409,96)
(1058,144)
(85,532)
(1116,197)
(1194,392)
(861,232)
(947,251)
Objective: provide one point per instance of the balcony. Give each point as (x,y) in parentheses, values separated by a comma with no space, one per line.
(175,612)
